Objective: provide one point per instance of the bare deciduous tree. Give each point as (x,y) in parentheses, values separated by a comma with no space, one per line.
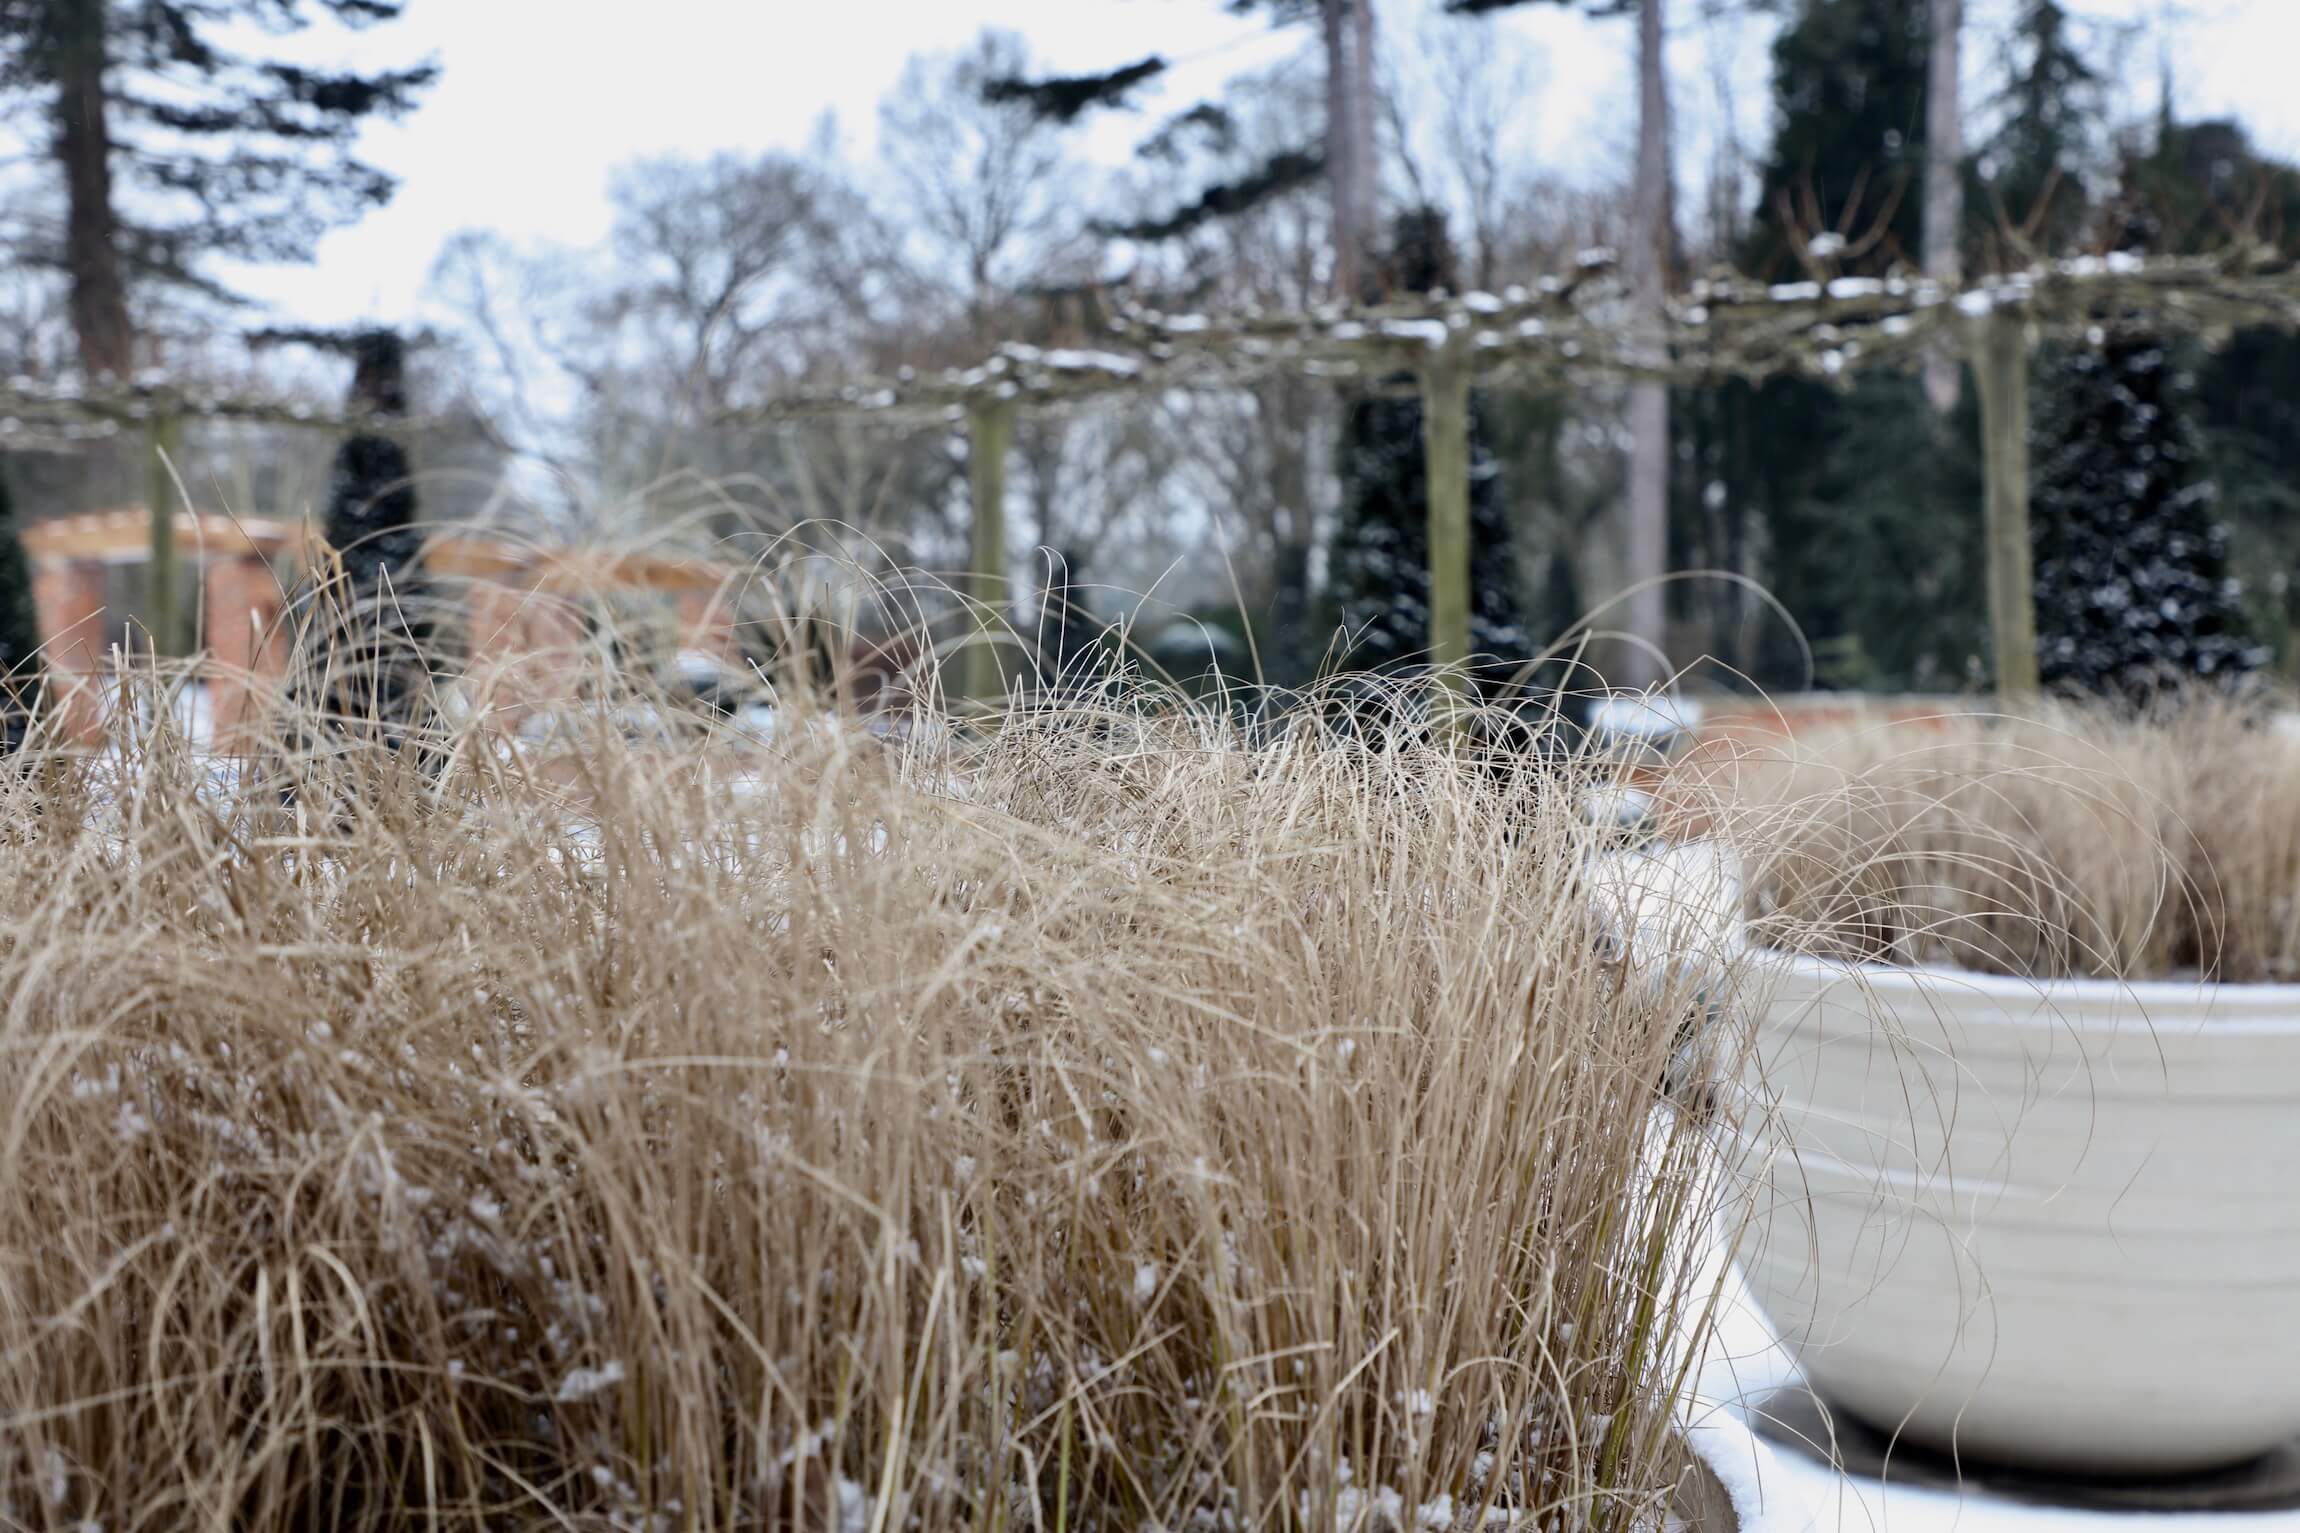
(1454,100)
(980,176)
(699,246)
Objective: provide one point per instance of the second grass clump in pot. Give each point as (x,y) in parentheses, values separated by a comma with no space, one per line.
(2065,842)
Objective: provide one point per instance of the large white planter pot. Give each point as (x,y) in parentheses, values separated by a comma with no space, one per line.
(2054,1224)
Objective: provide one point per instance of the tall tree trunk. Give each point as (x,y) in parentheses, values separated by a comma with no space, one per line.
(1944,184)
(1648,541)
(1365,159)
(83,147)
(1351,163)
(1349,227)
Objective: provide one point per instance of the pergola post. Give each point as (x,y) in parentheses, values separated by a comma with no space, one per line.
(1445,380)
(163,446)
(989,426)
(1999,346)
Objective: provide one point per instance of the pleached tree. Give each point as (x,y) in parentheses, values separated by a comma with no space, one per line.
(1380,563)
(1652,249)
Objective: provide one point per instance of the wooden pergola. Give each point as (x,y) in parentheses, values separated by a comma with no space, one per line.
(1572,328)
(1563,330)
(64,415)
(121,537)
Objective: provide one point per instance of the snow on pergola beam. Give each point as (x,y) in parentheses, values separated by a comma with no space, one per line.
(1830,329)
(1014,374)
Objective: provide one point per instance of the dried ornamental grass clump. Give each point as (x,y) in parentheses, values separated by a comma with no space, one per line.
(1112,1124)
(2071,842)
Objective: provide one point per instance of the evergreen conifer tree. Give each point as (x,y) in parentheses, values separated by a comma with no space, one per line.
(2033,167)
(20,669)
(1066,98)
(1850,82)
(172,140)
(2133,587)
(1379,571)
(2182,195)
(2132,573)
(369,639)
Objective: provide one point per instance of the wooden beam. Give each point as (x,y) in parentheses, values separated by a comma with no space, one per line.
(581,571)
(468,558)
(125,536)
(990,425)
(2000,354)
(1445,459)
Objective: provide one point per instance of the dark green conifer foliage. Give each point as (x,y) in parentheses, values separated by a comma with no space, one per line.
(2198,184)
(1064,98)
(2133,580)
(370,639)
(20,668)
(1848,154)
(1281,172)
(1868,504)
(2033,167)
(2134,591)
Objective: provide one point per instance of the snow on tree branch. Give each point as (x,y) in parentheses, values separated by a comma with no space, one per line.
(1569,327)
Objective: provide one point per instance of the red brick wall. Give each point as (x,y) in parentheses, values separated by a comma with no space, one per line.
(707,623)
(70,598)
(522,646)
(246,642)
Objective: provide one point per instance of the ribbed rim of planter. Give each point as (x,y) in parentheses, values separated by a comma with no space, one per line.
(2276,1002)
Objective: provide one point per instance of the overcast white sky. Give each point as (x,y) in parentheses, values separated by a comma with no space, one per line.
(541,99)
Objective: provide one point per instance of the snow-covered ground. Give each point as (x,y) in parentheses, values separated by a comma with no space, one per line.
(1799,1494)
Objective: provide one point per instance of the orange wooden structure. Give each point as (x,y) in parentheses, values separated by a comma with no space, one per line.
(520,603)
